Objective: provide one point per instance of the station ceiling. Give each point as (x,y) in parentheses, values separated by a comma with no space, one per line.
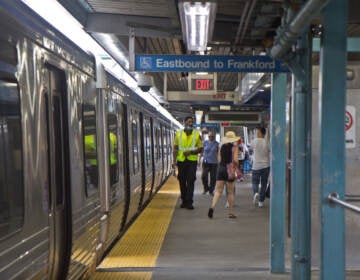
(242,27)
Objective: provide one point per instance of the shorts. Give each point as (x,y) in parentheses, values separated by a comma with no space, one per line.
(221,173)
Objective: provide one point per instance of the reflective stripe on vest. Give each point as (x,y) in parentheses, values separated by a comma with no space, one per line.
(180,156)
(193,134)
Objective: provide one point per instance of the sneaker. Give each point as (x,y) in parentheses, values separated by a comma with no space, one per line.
(256,198)
(227,204)
(261,204)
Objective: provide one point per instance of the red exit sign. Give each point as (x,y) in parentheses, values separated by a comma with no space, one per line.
(202,84)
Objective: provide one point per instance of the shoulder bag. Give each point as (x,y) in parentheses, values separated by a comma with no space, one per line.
(233,170)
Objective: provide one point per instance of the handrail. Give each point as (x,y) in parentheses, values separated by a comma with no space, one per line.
(334,199)
(352,197)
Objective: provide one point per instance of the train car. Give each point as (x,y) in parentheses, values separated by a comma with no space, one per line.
(81,154)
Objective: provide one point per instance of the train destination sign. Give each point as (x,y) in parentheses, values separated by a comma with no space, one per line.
(207,63)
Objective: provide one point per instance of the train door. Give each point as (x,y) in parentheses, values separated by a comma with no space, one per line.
(161,150)
(168,151)
(113,148)
(148,159)
(157,154)
(152,154)
(116,146)
(126,161)
(142,159)
(165,151)
(134,162)
(58,172)
(12,188)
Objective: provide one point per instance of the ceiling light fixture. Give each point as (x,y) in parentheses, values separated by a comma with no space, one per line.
(197,23)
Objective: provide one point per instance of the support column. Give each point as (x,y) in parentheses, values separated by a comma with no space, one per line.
(278,175)
(301,162)
(332,89)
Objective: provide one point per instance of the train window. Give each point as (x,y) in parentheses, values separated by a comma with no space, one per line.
(11,161)
(165,151)
(134,141)
(8,57)
(169,143)
(156,146)
(165,145)
(113,149)
(58,152)
(90,150)
(159,144)
(147,144)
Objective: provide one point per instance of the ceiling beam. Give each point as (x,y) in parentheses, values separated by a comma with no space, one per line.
(144,26)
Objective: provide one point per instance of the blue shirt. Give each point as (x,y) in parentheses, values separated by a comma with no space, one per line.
(210,152)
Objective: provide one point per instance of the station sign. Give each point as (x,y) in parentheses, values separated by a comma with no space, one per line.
(207,63)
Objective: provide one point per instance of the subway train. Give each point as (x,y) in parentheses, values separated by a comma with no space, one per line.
(80,153)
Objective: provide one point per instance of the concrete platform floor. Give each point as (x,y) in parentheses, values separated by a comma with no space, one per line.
(196,247)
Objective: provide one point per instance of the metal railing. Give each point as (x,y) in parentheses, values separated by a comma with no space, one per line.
(334,199)
(352,197)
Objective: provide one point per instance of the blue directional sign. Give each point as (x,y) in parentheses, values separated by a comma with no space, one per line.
(213,125)
(207,63)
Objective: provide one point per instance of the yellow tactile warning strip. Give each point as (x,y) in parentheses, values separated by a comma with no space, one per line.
(136,253)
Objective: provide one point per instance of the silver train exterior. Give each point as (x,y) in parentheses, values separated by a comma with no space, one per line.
(80,153)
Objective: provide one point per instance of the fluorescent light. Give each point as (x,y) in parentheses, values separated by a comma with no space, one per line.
(201,73)
(198,116)
(225,107)
(197,23)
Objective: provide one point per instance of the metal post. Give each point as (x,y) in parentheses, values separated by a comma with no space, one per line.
(301,164)
(332,90)
(132,49)
(278,175)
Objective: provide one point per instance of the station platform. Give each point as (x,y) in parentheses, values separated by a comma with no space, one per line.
(167,242)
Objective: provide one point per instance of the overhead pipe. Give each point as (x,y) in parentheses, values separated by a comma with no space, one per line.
(245,11)
(296,69)
(252,7)
(293,30)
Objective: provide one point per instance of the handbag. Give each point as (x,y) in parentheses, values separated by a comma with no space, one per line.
(233,171)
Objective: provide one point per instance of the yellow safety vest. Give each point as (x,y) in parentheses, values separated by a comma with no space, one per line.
(113,146)
(187,143)
(90,149)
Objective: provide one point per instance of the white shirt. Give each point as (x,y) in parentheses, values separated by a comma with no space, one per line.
(261,156)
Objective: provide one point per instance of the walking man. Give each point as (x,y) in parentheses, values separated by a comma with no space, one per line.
(187,146)
(261,165)
(209,164)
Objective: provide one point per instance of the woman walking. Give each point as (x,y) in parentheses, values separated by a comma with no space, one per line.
(228,153)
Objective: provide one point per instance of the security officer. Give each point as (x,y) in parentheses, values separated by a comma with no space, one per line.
(187,146)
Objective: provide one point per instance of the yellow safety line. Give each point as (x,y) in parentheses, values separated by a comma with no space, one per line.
(141,244)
